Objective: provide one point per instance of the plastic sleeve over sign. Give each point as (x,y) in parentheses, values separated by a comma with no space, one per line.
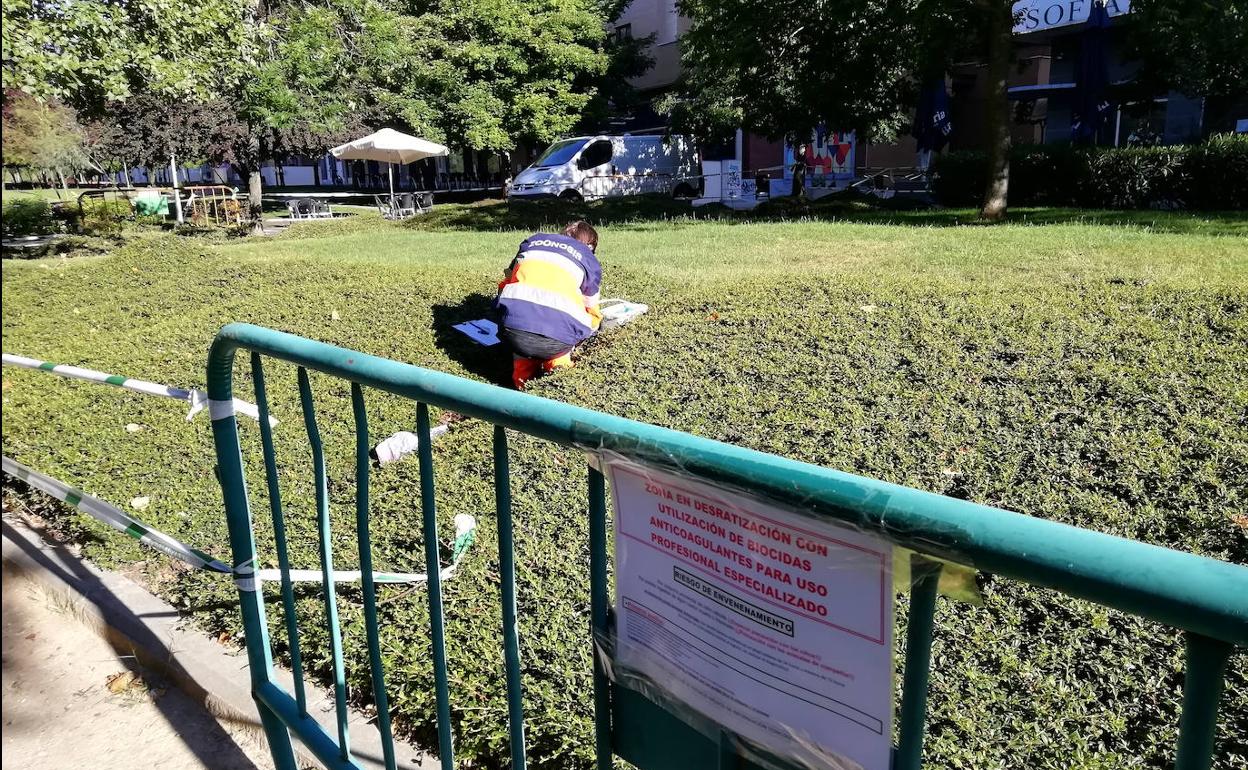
(763,621)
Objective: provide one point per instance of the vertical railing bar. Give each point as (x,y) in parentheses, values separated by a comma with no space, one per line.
(233,482)
(729,758)
(926,574)
(507,568)
(279,532)
(599,602)
(327,560)
(1202,690)
(433,567)
(366,568)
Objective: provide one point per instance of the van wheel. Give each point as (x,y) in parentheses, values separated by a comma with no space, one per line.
(570,196)
(683,192)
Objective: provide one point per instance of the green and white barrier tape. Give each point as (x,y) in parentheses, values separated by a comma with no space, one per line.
(465,536)
(245,576)
(197,399)
(114,517)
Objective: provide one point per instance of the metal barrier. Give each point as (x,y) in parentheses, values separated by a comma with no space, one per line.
(1206,598)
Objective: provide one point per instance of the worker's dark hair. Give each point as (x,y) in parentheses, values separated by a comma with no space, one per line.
(583,232)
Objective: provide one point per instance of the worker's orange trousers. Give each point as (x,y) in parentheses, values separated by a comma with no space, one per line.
(524,369)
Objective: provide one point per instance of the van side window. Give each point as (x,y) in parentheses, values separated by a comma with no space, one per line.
(595,155)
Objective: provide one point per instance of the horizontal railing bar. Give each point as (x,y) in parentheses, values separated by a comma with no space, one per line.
(1190,592)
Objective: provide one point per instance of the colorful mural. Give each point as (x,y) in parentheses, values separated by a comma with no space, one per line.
(829,158)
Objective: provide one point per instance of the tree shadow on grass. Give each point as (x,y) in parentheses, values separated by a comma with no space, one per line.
(646,212)
(492,363)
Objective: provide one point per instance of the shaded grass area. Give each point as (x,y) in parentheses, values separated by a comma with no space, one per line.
(1087,373)
(846,207)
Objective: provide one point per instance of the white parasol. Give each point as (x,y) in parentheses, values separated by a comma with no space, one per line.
(389,146)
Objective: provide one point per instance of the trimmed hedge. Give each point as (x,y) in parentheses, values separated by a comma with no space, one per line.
(1213,175)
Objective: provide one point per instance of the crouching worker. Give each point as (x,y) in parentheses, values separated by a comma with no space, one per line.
(548,301)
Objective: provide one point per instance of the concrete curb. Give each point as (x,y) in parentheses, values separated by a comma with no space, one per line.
(134,620)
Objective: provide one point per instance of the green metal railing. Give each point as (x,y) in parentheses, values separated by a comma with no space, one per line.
(1206,598)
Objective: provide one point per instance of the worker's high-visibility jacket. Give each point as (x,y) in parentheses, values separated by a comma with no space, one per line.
(552,289)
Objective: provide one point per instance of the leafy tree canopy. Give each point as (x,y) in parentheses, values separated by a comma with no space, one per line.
(783,66)
(1196,47)
(87,53)
(42,136)
(498,72)
(142,130)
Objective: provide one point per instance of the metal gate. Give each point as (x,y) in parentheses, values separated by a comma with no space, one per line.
(1206,598)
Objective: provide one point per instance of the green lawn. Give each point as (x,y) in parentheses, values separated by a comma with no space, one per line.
(1083,367)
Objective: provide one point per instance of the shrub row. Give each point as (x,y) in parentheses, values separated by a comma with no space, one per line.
(27,216)
(1213,175)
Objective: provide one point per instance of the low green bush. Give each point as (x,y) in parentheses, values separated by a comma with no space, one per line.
(1213,175)
(28,216)
(102,217)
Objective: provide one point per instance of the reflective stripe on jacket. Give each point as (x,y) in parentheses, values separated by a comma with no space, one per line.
(553,289)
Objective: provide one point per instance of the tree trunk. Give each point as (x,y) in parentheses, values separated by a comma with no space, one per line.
(255,209)
(64,186)
(999,28)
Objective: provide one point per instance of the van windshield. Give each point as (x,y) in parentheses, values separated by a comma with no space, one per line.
(559,153)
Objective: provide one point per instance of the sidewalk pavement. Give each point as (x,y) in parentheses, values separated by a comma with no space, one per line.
(72,700)
(153,641)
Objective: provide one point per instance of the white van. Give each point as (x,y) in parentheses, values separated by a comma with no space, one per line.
(592,167)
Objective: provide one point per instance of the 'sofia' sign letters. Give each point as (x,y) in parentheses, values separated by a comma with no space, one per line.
(1036,15)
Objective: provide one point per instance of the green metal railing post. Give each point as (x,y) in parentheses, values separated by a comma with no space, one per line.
(326,550)
(507,570)
(279,533)
(729,756)
(1204,677)
(371,626)
(599,602)
(243,550)
(926,574)
(433,567)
